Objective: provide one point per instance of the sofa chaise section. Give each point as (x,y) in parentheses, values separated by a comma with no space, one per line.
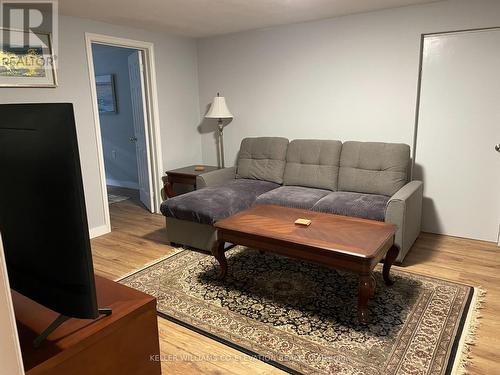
(208,205)
(190,217)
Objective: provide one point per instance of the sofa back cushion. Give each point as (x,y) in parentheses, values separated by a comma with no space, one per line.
(313,163)
(262,158)
(373,168)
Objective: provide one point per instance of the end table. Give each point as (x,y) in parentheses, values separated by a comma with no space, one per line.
(186,175)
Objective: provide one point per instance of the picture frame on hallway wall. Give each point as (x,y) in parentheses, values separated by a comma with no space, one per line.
(106,94)
(23,65)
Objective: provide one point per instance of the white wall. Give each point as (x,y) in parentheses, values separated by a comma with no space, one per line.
(351,77)
(120,159)
(176,69)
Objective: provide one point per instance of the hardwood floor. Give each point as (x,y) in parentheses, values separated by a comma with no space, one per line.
(138,238)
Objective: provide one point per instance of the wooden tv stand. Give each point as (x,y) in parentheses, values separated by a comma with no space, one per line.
(126,342)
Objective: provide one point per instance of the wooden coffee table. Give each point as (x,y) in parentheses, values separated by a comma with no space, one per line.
(341,242)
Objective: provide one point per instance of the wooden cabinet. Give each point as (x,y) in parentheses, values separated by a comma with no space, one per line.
(126,342)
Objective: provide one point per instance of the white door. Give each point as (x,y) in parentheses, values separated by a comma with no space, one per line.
(136,73)
(458,129)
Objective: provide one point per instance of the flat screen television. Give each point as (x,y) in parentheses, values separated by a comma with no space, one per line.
(43,219)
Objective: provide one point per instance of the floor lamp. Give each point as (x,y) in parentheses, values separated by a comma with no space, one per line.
(219,110)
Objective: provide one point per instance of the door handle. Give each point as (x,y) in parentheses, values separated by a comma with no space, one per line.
(497,148)
(133,139)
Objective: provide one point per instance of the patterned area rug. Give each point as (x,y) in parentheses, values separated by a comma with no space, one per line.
(302,318)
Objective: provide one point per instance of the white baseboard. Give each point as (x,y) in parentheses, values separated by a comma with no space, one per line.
(125,184)
(99,231)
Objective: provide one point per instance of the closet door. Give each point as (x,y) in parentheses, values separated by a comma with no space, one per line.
(458,133)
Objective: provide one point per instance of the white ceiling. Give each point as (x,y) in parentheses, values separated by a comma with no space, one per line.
(201,18)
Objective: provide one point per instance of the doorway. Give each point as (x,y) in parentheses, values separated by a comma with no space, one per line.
(457,134)
(120,101)
(123,88)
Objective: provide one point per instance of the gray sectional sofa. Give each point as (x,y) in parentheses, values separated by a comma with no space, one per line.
(362,179)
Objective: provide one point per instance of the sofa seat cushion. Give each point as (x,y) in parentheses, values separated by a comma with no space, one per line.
(293,196)
(366,206)
(210,204)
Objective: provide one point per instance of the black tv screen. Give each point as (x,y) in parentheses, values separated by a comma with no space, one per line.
(43,219)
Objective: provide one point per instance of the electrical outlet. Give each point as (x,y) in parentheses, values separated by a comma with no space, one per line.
(113,154)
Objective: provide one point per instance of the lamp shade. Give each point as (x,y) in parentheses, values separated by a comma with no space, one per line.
(219,109)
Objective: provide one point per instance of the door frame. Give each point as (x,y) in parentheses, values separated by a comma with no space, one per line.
(152,115)
(140,131)
(419,89)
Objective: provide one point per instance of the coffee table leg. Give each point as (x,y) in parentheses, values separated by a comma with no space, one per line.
(364,291)
(373,285)
(218,253)
(390,257)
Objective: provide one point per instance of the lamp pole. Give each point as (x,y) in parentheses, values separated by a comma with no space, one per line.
(221,142)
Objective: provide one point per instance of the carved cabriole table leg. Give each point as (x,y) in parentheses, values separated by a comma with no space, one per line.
(364,292)
(218,253)
(373,285)
(390,257)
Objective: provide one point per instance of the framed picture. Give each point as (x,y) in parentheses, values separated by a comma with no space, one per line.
(106,99)
(27,66)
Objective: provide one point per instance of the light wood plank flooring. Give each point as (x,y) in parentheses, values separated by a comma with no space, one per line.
(138,238)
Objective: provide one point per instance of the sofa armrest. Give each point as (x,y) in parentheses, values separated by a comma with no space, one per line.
(216,177)
(405,210)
